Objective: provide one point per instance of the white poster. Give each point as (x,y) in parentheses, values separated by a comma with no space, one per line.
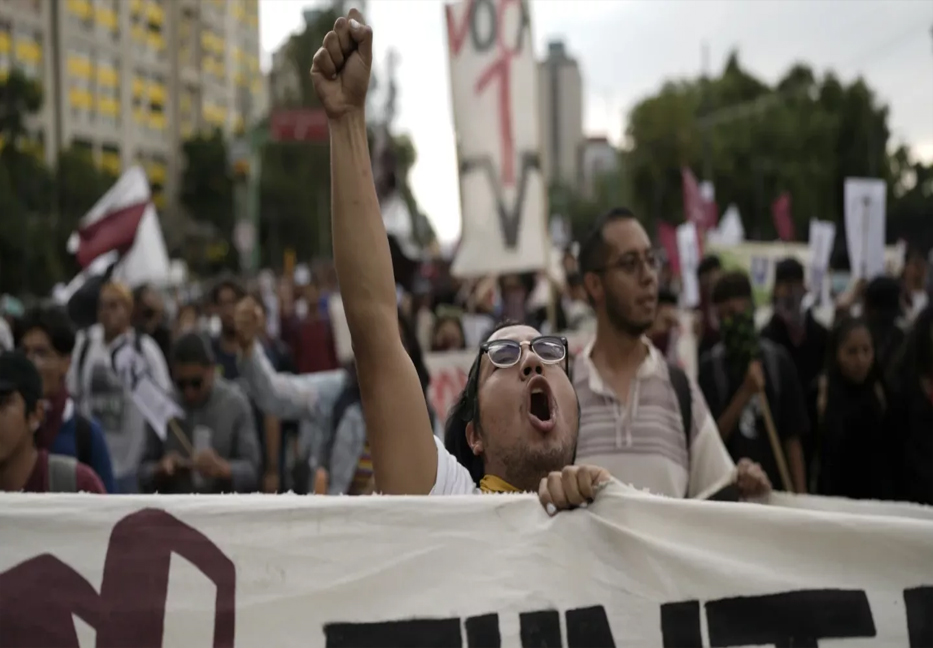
(822,239)
(688,247)
(631,570)
(865,225)
(156,406)
(493,77)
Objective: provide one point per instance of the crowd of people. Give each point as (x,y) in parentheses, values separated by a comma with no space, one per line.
(270,403)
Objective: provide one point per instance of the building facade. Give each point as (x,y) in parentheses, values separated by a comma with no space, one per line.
(130,80)
(560,98)
(598,159)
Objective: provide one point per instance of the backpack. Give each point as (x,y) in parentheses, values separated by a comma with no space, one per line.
(63,476)
(83,440)
(681,385)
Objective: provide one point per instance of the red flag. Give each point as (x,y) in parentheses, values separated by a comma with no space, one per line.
(667,237)
(112,223)
(783,221)
(694,209)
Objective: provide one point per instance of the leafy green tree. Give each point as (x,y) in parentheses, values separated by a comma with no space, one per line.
(207,196)
(804,135)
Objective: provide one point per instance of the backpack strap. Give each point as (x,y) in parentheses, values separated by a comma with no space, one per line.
(681,385)
(771,360)
(721,380)
(82,360)
(63,476)
(83,440)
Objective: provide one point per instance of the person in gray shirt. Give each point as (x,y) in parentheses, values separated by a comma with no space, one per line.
(219,427)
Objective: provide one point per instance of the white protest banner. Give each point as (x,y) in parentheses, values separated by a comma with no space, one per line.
(822,239)
(846,505)
(630,570)
(865,225)
(493,78)
(688,247)
(157,407)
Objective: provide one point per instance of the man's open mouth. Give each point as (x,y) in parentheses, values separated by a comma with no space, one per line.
(540,404)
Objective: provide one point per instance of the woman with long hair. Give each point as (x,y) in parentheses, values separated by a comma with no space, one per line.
(850,403)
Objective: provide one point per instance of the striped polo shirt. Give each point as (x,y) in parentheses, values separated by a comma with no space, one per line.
(642,442)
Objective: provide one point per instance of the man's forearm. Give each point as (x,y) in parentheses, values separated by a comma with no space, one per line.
(361,248)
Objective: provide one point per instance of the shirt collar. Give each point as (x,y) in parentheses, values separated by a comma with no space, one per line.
(585,372)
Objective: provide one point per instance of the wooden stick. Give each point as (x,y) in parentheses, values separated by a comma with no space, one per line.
(321,478)
(180,435)
(775,443)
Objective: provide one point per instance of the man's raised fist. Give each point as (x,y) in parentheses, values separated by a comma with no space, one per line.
(340,69)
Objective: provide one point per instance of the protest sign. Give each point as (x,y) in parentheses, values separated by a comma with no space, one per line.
(865,216)
(630,570)
(156,406)
(688,248)
(493,89)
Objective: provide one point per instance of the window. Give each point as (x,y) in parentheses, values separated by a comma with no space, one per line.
(108,91)
(28,52)
(80,12)
(80,71)
(106,17)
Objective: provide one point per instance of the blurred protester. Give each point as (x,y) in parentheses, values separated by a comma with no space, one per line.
(515,290)
(737,370)
(912,412)
(793,327)
(23,467)
(579,312)
(881,306)
(149,317)
(278,438)
(482,309)
(308,333)
(48,339)
(188,320)
(914,280)
(665,330)
(218,423)
(855,448)
(6,336)
(707,326)
(99,392)
(333,431)
(226,294)
(641,418)
(448,330)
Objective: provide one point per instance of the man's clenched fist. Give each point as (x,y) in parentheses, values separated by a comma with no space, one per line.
(340,70)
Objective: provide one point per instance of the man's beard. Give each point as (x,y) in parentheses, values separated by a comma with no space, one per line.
(622,323)
(526,468)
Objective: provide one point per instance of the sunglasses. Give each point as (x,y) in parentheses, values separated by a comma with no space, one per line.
(551,349)
(194,383)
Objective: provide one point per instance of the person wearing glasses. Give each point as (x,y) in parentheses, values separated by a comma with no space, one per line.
(220,451)
(515,426)
(642,418)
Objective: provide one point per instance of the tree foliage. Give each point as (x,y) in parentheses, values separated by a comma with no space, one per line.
(40,207)
(804,135)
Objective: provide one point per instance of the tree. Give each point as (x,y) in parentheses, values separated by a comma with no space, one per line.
(804,135)
(207,196)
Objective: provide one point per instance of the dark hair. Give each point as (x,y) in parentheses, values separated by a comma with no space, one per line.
(54,322)
(139,291)
(666,296)
(883,298)
(915,360)
(227,283)
(837,335)
(192,348)
(709,263)
(443,316)
(732,285)
(593,250)
(788,270)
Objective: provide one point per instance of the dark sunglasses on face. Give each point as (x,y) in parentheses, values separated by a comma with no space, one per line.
(507,353)
(193,383)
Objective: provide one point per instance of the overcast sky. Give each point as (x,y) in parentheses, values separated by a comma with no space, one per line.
(627,48)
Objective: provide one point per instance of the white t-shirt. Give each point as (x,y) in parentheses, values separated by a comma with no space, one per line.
(452,478)
(6,336)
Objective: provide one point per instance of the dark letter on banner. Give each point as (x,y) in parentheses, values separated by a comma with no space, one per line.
(790,619)
(589,628)
(918,603)
(510,220)
(540,629)
(483,40)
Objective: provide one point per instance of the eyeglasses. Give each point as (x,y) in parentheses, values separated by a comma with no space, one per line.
(507,353)
(633,263)
(194,383)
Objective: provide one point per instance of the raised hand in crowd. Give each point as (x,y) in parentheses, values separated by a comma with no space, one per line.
(754,379)
(248,322)
(172,462)
(341,67)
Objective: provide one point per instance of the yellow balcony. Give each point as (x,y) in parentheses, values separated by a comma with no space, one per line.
(157,121)
(28,51)
(156,173)
(155,41)
(80,8)
(139,87)
(108,106)
(106,17)
(111,162)
(79,67)
(5,44)
(139,116)
(108,77)
(138,32)
(158,199)
(136,7)
(80,99)
(157,93)
(155,14)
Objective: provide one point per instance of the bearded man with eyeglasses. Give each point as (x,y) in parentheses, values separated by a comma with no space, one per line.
(642,418)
